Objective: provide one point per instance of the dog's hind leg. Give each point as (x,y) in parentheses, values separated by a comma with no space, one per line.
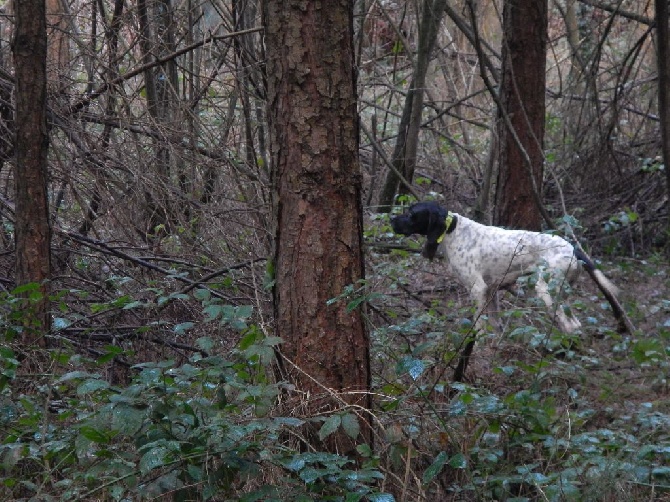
(566,322)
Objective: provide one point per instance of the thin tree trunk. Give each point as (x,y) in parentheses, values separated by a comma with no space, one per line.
(404,155)
(316,176)
(663,54)
(32,229)
(58,48)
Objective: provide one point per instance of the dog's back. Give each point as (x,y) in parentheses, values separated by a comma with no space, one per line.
(501,256)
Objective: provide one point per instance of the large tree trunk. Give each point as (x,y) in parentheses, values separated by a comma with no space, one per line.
(521,124)
(316,175)
(32,229)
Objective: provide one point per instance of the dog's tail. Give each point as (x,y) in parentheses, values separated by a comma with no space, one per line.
(607,288)
(600,279)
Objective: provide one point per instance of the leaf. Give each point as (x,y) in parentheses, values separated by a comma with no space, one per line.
(181,328)
(350,425)
(296,464)
(155,457)
(244,311)
(250,338)
(414,367)
(75,375)
(381,497)
(110,352)
(91,385)
(212,312)
(195,472)
(202,295)
(29,287)
(393,389)
(353,497)
(94,435)
(204,343)
(132,305)
(364,450)
(309,475)
(61,323)
(290,421)
(458,461)
(355,303)
(435,468)
(271,341)
(329,426)
(127,419)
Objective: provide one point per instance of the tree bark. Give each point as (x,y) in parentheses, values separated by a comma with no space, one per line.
(58,50)
(313,127)
(522,99)
(32,228)
(404,154)
(663,55)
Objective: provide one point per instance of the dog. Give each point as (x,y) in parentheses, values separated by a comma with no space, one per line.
(485,259)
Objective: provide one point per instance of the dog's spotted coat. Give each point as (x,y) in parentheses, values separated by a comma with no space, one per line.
(485,259)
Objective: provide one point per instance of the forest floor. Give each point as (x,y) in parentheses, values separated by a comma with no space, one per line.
(596,387)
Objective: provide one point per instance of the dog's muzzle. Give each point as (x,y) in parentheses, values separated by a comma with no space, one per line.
(402,225)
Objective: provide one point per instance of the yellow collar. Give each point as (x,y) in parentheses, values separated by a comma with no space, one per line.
(447,224)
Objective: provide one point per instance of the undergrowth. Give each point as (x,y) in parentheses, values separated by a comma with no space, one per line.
(202,429)
(542,415)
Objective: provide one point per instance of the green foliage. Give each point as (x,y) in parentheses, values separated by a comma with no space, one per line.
(652,165)
(198,430)
(355,296)
(622,219)
(547,416)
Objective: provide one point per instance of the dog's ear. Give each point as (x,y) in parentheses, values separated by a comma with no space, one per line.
(436,229)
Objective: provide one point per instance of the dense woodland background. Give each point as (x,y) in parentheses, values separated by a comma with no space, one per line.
(161,213)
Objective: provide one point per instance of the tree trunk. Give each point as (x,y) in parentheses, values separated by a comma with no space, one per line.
(58,50)
(32,229)
(521,121)
(663,54)
(317,187)
(404,154)
(161,83)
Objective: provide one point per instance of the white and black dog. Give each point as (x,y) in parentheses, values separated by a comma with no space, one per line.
(485,259)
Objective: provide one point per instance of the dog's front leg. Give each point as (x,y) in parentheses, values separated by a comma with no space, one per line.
(486,300)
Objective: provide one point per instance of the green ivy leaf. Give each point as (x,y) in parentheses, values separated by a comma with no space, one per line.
(435,468)
(76,375)
(414,367)
(350,425)
(329,426)
(212,312)
(202,295)
(458,461)
(91,385)
(381,497)
(204,343)
(94,435)
(155,457)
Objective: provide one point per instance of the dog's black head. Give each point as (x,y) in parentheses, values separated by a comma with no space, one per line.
(424,218)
